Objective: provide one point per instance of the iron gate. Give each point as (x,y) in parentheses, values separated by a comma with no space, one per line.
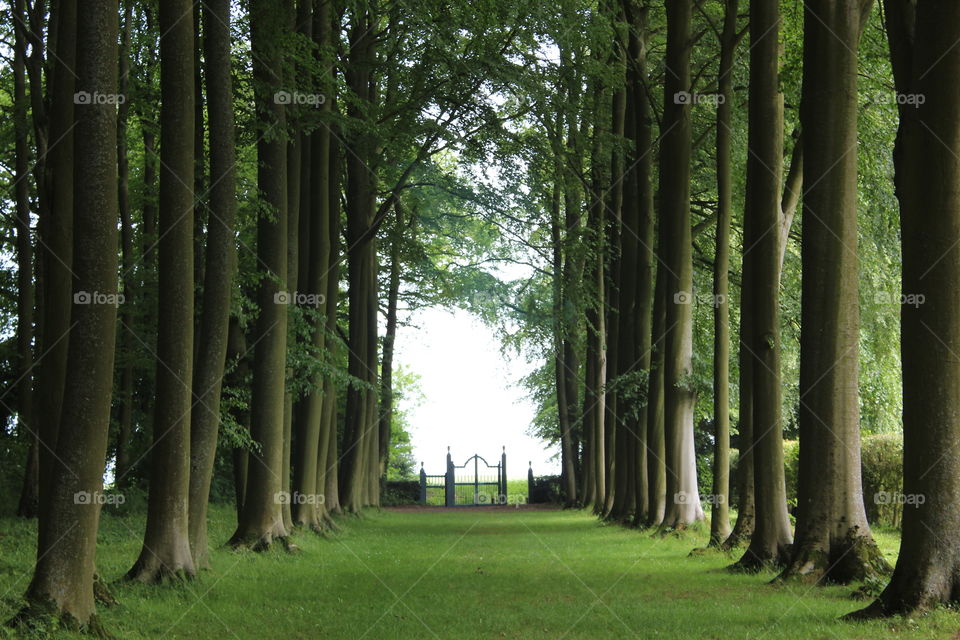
(476,482)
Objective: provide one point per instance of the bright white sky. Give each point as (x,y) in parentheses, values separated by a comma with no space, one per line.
(472,400)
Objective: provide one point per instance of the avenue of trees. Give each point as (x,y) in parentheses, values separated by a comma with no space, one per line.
(218,216)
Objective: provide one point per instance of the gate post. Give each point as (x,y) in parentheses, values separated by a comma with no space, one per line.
(449,483)
(504,498)
(530,483)
(423,485)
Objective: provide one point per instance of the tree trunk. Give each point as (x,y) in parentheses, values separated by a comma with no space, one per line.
(683,496)
(29,495)
(237,377)
(361,424)
(166,545)
(56,242)
(833,540)
(925,63)
(221,264)
(642,193)
(772,536)
(261,520)
(62,583)
(328,471)
(656,453)
(312,440)
(720,511)
(568,478)
(389,339)
(126,346)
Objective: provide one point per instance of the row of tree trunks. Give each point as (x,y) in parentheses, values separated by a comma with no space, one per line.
(317,260)
(359,477)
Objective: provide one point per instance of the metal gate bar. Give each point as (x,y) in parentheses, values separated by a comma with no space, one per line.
(474,486)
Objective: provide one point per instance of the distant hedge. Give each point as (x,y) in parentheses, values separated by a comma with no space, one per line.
(881,460)
(400,492)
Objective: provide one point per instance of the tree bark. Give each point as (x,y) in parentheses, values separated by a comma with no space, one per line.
(389,339)
(925,63)
(656,452)
(683,496)
(126,345)
(62,584)
(219,272)
(261,519)
(833,540)
(312,440)
(720,503)
(361,424)
(772,536)
(166,545)
(56,242)
(29,495)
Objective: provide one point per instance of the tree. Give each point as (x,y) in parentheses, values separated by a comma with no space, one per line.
(166,544)
(922,37)
(683,496)
(261,520)
(25,291)
(720,511)
(56,242)
(833,540)
(771,536)
(63,579)
(219,272)
(362,428)
(312,440)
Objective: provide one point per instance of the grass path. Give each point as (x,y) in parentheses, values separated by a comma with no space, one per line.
(469,573)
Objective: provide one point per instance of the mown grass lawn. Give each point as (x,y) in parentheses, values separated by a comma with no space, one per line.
(465,573)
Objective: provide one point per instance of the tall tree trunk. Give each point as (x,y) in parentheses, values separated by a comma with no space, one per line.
(389,339)
(833,540)
(26,429)
(221,263)
(567,470)
(594,410)
(614,432)
(772,536)
(720,511)
(166,544)
(361,258)
(56,242)
(656,445)
(126,347)
(261,520)
(315,242)
(642,194)
(683,496)
(926,62)
(63,580)
(328,476)
(238,376)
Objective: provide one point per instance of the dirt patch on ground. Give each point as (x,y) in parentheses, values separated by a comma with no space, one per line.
(417,508)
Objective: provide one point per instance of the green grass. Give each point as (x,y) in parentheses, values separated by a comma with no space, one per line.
(495,573)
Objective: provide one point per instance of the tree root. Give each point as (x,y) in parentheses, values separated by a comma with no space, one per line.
(45,618)
(751,562)
(856,559)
